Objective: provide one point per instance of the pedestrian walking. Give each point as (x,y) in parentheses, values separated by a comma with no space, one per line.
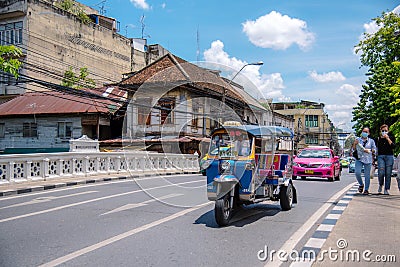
(385,145)
(362,150)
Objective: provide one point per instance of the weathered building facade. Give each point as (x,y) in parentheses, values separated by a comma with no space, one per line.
(53,40)
(46,121)
(172,98)
(311,124)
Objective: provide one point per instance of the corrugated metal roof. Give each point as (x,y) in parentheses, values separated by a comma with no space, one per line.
(55,103)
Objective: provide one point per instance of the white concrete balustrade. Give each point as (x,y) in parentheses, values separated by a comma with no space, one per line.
(46,166)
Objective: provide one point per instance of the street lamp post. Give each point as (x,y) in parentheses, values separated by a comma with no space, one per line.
(259,63)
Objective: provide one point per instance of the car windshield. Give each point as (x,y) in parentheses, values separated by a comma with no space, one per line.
(231,144)
(314,153)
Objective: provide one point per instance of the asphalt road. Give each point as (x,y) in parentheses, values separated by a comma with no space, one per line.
(149,223)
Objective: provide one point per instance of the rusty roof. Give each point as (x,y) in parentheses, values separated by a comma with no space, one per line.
(49,102)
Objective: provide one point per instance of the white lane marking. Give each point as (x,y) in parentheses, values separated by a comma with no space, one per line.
(344,202)
(291,243)
(46,199)
(333,216)
(302,263)
(325,227)
(339,208)
(99,183)
(141,204)
(315,242)
(119,237)
(87,201)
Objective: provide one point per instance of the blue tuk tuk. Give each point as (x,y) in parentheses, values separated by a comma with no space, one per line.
(248,164)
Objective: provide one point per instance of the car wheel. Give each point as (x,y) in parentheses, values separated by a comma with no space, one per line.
(330,179)
(294,177)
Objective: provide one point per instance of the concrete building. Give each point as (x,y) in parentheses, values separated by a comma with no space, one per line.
(311,124)
(53,39)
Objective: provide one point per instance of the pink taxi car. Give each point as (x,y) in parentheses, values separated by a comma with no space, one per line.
(316,161)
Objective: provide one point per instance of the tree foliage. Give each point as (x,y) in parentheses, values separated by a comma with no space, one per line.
(9,59)
(395,105)
(74,8)
(380,52)
(77,81)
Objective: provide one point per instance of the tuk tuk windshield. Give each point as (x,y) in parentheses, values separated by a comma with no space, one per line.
(231,144)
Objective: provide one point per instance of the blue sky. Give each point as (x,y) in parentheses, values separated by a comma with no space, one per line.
(306,46)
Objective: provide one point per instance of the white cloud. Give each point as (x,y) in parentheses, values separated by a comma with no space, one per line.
(140,4)
(371,27)
(333,76)
(341,114)
(278,31)
(349,92)
(163,5)
(268,85)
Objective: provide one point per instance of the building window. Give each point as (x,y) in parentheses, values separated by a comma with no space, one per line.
(144,116)
(64,130)
(311,121)
(11,33)
(166,113)
(311,139)
(29,129)
(2,130)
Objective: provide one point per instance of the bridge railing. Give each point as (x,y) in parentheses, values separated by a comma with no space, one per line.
(44,166)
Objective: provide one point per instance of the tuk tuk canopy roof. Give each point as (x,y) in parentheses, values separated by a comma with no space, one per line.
(260,131)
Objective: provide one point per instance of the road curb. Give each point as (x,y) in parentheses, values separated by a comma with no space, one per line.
(34,188)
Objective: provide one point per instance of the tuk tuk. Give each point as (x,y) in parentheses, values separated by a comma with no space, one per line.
(248,164)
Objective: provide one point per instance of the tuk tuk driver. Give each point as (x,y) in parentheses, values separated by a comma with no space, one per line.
(242,146)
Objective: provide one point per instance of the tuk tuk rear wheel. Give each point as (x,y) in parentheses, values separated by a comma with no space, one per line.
(222,210)
(286,197)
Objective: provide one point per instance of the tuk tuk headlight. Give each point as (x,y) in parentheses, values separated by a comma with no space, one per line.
(296,164)
(327,165)
(205,164)
(225,165)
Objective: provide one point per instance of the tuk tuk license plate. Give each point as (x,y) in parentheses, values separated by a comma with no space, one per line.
(309,171)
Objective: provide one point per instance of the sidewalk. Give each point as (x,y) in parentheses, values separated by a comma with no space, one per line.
(51,183)
(371,225)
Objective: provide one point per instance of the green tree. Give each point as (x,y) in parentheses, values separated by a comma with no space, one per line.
(379,52)
(9,59)
(77,81)
(395,105)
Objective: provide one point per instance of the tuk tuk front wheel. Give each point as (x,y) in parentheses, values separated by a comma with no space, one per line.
(222,210)
(286,197)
